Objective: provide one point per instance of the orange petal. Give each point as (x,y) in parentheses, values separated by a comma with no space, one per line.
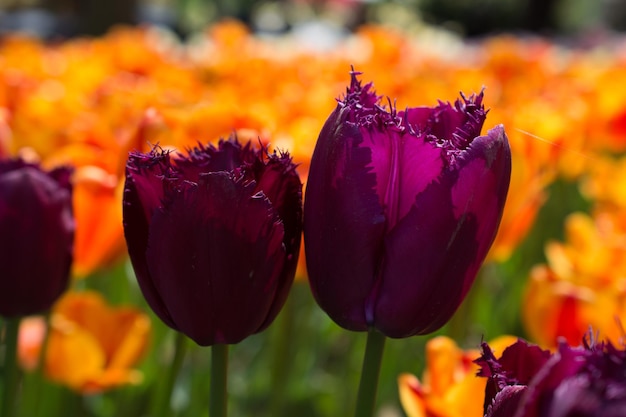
(31,335)
(93,346)
(411,396)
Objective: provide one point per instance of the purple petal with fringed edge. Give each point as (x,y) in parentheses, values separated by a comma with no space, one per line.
(214,236)
(143,195)
(564,363)
(401,209)
(506,402)
(279,181)
(434,252)
(214,255)
(518,365)
(344,222)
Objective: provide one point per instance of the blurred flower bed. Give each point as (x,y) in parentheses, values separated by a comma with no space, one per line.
(557,265)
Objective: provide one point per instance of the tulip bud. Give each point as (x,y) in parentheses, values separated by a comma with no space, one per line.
(401,208)
(585,381)
(37,236)
(214,237)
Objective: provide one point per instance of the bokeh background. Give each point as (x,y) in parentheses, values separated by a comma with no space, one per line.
(85,81)
(63,18)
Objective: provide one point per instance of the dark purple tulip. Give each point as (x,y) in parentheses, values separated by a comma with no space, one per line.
(37,227)
(587,381)
(401,208)
(214,237)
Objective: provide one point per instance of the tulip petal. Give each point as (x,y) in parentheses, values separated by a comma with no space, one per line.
(136,231)
(422,271)
(242,254)
(506,402)
(281,184)
(146,173)
(228,156)
(344,223)
(483,183)
(404,165)
(37,224)
(439,245)
(563,364)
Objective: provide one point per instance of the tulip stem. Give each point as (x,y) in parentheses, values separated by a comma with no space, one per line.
(10,371)
(219,370)
(40,369)
(282,359)
(366,399)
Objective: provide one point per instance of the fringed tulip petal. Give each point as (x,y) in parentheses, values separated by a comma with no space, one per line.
(215,238)
(506,402)
(433,250)
(449,386)
(401,209)
(451,244)
(279,182)
(526,381)
(137,213)
(216,258)
(344,224)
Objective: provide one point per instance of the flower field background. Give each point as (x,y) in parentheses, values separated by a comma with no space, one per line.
(556,268)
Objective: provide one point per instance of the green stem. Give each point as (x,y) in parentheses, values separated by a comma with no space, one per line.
(161,401)
(366,399)
(11,372)
(219,371)
(282,358)
(40,369)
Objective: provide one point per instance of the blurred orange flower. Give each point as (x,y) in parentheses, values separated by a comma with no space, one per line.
(449,387)
(104,96)
(605,184)
(582,285)
(529,179)
(97,204)
(92,346)
(98,210)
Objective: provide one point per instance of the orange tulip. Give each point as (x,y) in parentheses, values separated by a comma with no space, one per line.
(97,204)
(581,286)
(449,387)
(98,211)
(92,347)
(605,184)
(527,193)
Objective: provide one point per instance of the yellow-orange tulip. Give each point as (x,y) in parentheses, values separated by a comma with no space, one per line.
(92,346)
(449,387)
(97,204)
(583,284)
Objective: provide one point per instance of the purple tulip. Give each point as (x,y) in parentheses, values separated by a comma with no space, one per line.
(587,381)
(37,227)
(401,208)
(214,237)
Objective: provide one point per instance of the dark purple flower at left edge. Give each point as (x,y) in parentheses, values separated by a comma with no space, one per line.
(583,381)
(401,208)
(37,227)
(214,236)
